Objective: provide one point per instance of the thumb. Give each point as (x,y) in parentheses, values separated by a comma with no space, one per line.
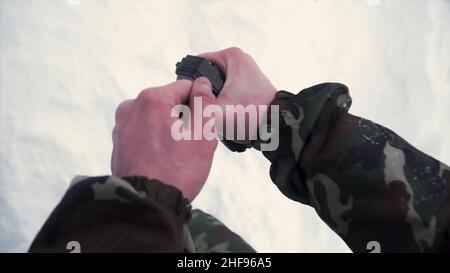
(200,97)
(201,89)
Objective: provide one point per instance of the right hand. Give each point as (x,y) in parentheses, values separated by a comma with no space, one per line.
(245,83)
(143,144)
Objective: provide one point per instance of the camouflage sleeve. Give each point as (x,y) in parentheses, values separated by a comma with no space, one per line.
(363,180)
(111,214)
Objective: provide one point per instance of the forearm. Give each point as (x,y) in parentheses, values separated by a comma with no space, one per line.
(110,214)
(364,181)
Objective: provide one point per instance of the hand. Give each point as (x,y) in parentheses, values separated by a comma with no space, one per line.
(245,83)
(143,144)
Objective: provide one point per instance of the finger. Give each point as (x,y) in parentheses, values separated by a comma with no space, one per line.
(201,88)
(201,96)
(176,92)
(180,90)
(113,134)
(123,110)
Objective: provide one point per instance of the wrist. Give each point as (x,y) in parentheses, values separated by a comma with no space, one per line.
(266,100)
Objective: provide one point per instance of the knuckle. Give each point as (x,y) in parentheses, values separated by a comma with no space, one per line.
(249,57)
(122,109)
(113,134)
(235,52)
(149,95)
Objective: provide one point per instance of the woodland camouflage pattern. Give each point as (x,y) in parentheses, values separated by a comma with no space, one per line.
(212,236)
(133,214)
(111,214)
(364,181)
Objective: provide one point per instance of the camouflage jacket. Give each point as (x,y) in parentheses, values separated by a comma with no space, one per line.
(131,214)
(107,213)
(368,184)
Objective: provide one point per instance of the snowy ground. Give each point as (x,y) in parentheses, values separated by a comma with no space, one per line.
(66,65)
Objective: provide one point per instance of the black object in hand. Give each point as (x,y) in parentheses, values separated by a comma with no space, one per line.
(192,67)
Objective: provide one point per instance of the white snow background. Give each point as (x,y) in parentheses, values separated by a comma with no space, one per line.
(66,65)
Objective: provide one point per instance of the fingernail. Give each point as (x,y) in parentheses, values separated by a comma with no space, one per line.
(203,84)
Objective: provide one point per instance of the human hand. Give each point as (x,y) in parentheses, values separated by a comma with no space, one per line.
(143,144)
(245,84)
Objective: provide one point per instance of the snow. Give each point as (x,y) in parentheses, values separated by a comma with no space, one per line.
(66,65)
